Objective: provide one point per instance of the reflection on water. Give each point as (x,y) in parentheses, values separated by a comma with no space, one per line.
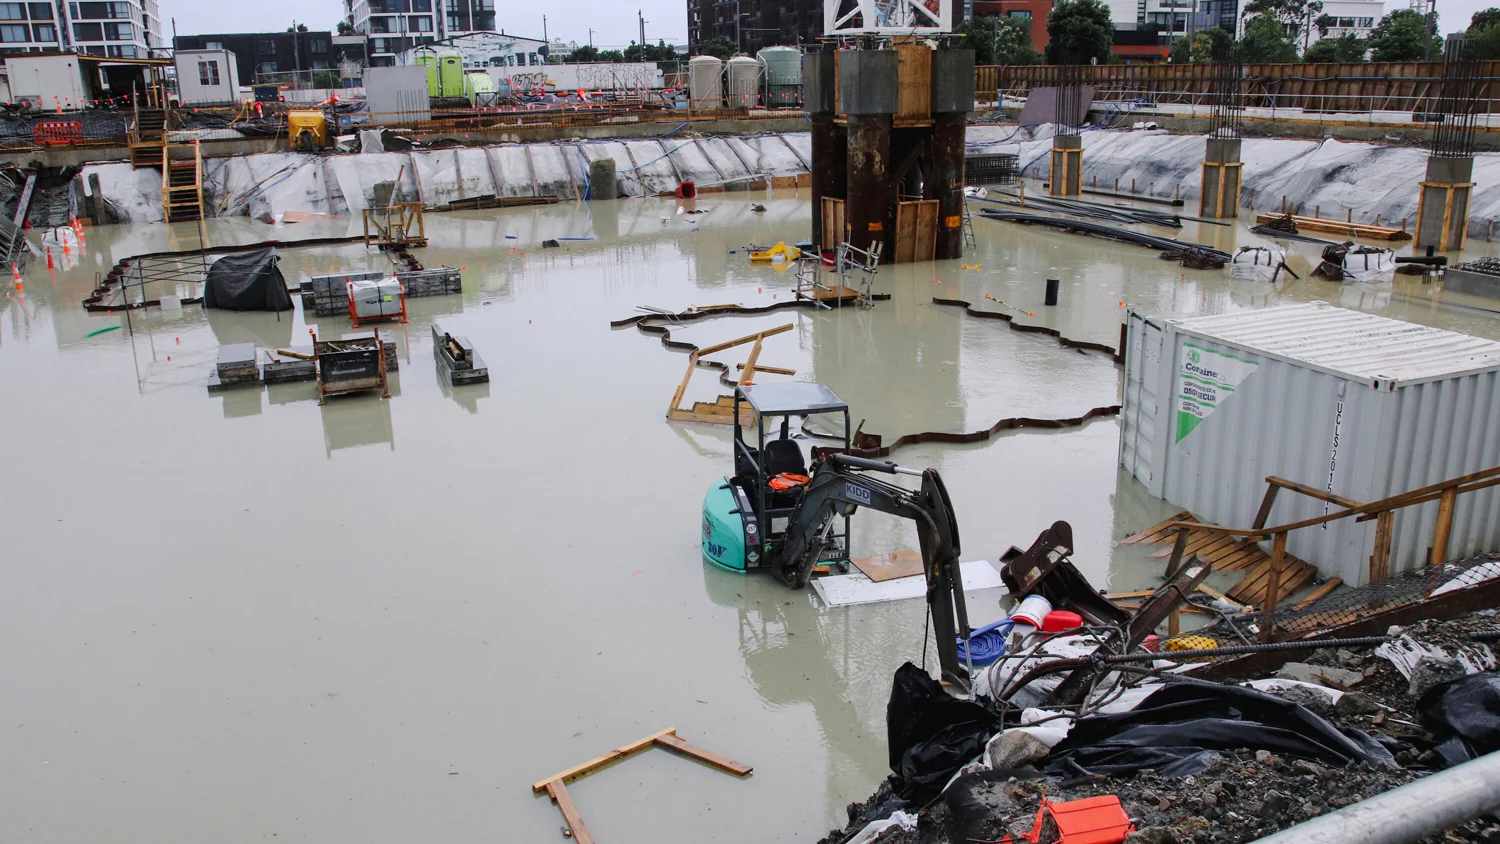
(534,594)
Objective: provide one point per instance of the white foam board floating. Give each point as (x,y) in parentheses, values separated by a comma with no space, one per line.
(849,589)
(1355,404)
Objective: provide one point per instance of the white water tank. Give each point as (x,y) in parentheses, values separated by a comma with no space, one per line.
(744,82)
(705,82)
(781,69)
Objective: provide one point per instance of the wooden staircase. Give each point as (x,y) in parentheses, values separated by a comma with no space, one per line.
(182,182)
(148,137)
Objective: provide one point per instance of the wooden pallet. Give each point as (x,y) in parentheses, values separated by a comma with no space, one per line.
(1230,553)
(1340,227)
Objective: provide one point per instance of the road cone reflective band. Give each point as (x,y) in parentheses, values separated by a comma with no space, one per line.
(50,265)
(16,275)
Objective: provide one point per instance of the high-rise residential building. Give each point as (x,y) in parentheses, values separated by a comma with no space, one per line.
(394,26)
(462,17)
(121,29)
(262,55)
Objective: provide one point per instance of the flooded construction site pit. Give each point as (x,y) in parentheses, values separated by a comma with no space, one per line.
(243,616)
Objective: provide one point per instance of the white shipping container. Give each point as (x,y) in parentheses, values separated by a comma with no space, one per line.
(1357,405)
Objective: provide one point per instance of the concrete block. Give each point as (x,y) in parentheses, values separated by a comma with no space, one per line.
(1460,280)
(1450,171)
(1222,149)
(869,82)
(952,81)
(289,370)
(818,83)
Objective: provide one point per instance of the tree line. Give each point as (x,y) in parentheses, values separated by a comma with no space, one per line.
(1080,31)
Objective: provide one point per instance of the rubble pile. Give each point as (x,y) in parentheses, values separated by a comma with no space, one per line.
(1234,761)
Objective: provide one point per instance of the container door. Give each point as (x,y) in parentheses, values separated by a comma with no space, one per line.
(1142,414)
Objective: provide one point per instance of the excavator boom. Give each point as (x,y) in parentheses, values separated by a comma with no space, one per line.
(838,486)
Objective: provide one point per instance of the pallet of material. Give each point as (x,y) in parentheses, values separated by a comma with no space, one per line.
(236,367)
(1230,553)
(387,342)
(1318,224)
(437,281)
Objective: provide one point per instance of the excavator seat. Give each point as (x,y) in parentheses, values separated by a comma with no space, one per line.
(784,456)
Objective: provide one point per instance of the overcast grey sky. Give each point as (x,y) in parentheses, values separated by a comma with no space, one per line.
(613,22)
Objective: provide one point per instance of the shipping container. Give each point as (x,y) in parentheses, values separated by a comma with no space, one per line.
(51,81)
(1357,405)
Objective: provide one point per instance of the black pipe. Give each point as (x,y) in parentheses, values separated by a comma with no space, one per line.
(1052,286)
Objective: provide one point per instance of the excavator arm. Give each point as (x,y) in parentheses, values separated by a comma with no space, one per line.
(838,486)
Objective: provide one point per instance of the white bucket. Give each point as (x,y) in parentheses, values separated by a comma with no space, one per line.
(1032,611)
(169,302)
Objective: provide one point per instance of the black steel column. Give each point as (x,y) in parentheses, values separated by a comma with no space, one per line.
(827,152)
(869,93)
(952,100)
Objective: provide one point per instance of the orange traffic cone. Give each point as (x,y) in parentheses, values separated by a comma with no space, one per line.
(15,273)
(50,265)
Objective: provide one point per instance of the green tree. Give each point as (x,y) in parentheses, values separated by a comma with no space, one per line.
(611,56)
(1484,33)
(1078,31)
(1181,51)
(717,46)
(1211,44)
(1345,49)
(586,53)
(1401,36)
(346,28)
(1484,18)
(1266,41)
(660,52)
(999,40)
(1300,16)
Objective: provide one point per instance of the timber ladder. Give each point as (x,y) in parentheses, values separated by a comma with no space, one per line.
(147,136)
(182,182)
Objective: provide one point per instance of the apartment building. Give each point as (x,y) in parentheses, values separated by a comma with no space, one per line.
(258,54)
(395,26)
(122,29)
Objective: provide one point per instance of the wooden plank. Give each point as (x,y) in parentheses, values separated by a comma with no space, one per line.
(1247,556)
(1214,552)
(1156,529)
(1297,578)
(1214,593)
(1328,586)
(927,226)
(1245,590)
(906,232)
(599,762)
(1380,561)
(559,794)
(1273,586)
(677,745)
(1122,596)
(1443,531)
(915,70)
(1267,502)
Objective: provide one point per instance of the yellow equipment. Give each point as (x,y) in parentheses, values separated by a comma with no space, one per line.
(776,254)
(308,130)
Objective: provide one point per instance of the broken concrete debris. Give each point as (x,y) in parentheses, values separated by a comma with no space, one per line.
(1188,753)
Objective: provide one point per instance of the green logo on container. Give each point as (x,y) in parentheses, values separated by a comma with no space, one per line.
(1206,379)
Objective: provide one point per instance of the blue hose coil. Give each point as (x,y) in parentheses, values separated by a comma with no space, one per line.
(986,644)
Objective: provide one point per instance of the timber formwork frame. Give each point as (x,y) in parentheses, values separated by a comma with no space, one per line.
(721,411)
(399,225)
(1444,201)
(888,123)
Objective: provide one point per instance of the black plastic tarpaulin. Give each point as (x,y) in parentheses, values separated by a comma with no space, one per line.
(930,733)
(249,281)
(1182,721)
(1465,712)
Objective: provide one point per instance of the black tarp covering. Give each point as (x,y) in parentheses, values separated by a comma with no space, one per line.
(1182,721)
(248,281)
(930,733)
(1467,713)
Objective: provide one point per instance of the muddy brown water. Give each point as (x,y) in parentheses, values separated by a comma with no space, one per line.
(245,617)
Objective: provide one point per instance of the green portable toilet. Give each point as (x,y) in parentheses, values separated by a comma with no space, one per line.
(425,57)
(450,76)
(481,86)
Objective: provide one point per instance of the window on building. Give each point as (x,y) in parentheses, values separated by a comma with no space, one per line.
(419,23)
(380,26)
(208,73)
(88,32)
(320,64)
(118,52)
(453,22)
(267,46)
(119,32)
(12,11)
(318,45)
(1366,23)
(213,45)
(105,11)
(45,32)
(421,5)
(41,11)
(266,67)
(13,33)
(1346,23)
(1020,13)
(94,50)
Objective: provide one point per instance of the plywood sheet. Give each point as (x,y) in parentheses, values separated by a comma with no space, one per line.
(882,567)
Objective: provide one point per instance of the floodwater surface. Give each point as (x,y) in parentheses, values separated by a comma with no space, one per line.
(245,617)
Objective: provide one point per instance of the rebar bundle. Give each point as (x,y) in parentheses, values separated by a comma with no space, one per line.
(1227,99)
(1453,131)
(1069,91)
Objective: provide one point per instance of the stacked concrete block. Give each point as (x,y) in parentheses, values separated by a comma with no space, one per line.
(463,367)
(293,369)
(236,367)
(328,294)
(438,281)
